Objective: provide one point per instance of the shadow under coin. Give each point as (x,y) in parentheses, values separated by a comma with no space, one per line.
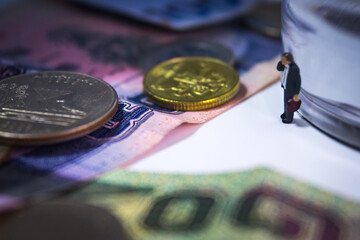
(242,92)
(63,220)
(182,132)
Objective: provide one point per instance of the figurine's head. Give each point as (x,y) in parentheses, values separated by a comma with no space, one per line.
(287,58)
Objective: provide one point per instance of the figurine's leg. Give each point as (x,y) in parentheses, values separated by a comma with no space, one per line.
(289,117)
(283,115)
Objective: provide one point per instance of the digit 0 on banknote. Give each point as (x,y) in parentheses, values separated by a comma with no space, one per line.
(257,204)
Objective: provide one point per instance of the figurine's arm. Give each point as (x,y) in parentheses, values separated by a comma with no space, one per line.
(298,79)
(280,66)
(297,83)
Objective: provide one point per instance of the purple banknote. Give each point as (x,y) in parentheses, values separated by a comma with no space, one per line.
(66,38)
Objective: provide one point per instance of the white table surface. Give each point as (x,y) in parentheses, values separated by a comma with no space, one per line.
(251,135)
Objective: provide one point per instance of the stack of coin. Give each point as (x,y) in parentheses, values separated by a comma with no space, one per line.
(51,107)
(191,83)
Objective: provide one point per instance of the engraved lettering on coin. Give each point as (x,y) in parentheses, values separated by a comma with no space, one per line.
(50,107)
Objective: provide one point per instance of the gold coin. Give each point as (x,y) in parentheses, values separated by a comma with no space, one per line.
(191,83)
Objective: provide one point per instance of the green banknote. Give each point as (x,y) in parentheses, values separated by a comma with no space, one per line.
(256,204)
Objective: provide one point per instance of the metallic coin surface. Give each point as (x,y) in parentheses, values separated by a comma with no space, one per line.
(184,48)
(4,153)
(50,107)
(266,19)
(191,83)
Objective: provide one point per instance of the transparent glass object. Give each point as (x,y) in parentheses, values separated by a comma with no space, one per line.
(324,38)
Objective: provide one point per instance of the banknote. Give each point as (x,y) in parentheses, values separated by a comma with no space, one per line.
(254,204)
(57,36)
(177,15)
(9,68)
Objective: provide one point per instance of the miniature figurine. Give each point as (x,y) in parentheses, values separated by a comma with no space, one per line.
(291,83)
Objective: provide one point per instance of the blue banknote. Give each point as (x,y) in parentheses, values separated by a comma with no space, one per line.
(177,15)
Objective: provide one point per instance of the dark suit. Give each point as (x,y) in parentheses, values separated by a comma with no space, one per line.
(293,84)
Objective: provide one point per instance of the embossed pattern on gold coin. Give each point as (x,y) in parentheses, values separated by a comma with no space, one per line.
(191,83)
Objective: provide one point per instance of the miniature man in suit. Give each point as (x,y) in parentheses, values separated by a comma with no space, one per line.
(291,83)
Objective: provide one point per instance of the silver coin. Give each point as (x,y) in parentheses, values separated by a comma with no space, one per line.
(266,19)
(4,153)
(184,48)
(50,107)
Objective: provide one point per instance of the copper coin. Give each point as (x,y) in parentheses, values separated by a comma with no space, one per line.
(51,107)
